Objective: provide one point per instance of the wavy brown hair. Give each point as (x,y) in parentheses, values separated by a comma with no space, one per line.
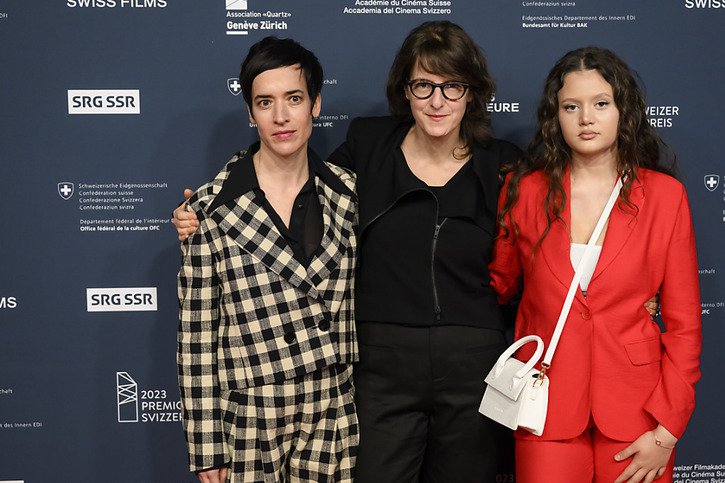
(444,48)
(638,144)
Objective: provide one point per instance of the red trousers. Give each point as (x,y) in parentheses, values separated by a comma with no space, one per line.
(587,458)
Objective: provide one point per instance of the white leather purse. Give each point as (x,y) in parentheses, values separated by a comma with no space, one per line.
(517,395)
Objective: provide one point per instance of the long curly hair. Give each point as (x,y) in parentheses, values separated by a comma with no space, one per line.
(638,144)
(444,48)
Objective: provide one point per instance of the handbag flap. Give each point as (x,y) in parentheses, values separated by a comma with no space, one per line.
(506,383)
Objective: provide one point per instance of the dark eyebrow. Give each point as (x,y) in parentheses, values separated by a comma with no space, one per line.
(289,93)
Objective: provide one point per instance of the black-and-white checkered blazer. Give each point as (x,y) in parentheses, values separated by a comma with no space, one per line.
(250,314)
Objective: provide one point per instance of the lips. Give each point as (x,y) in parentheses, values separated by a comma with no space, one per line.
(587,135)
(436,117)
(283,135)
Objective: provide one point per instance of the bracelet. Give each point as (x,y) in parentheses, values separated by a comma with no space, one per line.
(659,443)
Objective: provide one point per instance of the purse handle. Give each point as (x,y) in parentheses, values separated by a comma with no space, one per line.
(498,367)
(546,363)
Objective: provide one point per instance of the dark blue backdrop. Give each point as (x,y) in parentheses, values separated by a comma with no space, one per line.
(88,257)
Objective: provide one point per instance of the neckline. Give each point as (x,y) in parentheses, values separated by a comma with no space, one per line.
(458,173)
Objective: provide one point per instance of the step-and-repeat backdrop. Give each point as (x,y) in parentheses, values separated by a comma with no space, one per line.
(108,108)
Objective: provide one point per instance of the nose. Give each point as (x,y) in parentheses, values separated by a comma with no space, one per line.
(280,113)
(585,116)
(437,99)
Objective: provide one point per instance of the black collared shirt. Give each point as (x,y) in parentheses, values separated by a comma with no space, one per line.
(305,225)
(305,230)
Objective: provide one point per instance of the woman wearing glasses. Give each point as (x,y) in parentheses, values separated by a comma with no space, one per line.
(429,326)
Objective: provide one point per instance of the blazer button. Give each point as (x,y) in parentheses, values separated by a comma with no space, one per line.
(586,315)
(289,337)
(324,325)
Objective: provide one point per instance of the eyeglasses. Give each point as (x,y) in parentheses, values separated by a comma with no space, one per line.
(423,89)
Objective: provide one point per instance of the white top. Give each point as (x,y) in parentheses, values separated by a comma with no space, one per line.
(576,254)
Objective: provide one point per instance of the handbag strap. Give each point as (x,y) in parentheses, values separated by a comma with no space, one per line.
(546,363)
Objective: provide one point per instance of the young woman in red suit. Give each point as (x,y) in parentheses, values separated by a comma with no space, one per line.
(622,390)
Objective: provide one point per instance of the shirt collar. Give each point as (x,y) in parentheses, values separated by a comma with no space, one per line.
(243,178)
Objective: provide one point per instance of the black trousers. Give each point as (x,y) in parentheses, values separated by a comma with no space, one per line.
(417,394)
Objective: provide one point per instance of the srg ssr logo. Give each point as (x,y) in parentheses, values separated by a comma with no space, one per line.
(104,101)
(135,299)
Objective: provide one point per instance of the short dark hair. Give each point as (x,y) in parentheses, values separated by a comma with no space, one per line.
(444,48)
(273,53)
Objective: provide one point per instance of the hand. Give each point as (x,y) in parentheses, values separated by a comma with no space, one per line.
(652,306)
(185,221)
(649,460)
(216,475)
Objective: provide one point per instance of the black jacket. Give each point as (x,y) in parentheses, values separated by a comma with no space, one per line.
(372,150)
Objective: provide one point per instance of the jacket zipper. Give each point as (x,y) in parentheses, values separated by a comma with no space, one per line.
(436,302)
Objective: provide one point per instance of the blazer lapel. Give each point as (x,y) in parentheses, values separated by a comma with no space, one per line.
(338,216)
(556,247)
(621,225)
(249,225)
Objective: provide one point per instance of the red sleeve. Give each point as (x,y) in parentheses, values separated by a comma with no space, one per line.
(505,266)
(673,400)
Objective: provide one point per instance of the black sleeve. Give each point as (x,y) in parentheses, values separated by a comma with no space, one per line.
(344,154)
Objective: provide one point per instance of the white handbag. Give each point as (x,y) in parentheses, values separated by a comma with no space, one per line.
(517,395)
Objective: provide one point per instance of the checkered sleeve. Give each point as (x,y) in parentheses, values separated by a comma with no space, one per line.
(198,290)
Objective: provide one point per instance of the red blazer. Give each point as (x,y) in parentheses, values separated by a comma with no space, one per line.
(612,360)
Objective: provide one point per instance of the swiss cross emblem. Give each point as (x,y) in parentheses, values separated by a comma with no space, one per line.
(234,86)
(65,190)
(712,181)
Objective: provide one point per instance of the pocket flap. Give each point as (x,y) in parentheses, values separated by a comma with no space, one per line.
(644,351)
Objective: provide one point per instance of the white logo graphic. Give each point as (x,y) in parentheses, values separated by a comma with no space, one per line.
(236,4)
(126,398)
(139,405)
(8,303)
(104,101)
(234,86)
(65,189)
(712,181)
(134,299)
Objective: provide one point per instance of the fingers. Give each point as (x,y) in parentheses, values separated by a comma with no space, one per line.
(651,476)
(186,222)
(628,472)
(651,308)
(626,452)
(217,475)
(638,476)
(188,193)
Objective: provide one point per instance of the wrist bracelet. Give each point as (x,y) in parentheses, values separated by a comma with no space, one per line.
(659,443)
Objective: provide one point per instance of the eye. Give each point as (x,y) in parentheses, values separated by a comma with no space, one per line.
(295,99)
(569,107)
(264,103)
(422,85)
(601,104)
